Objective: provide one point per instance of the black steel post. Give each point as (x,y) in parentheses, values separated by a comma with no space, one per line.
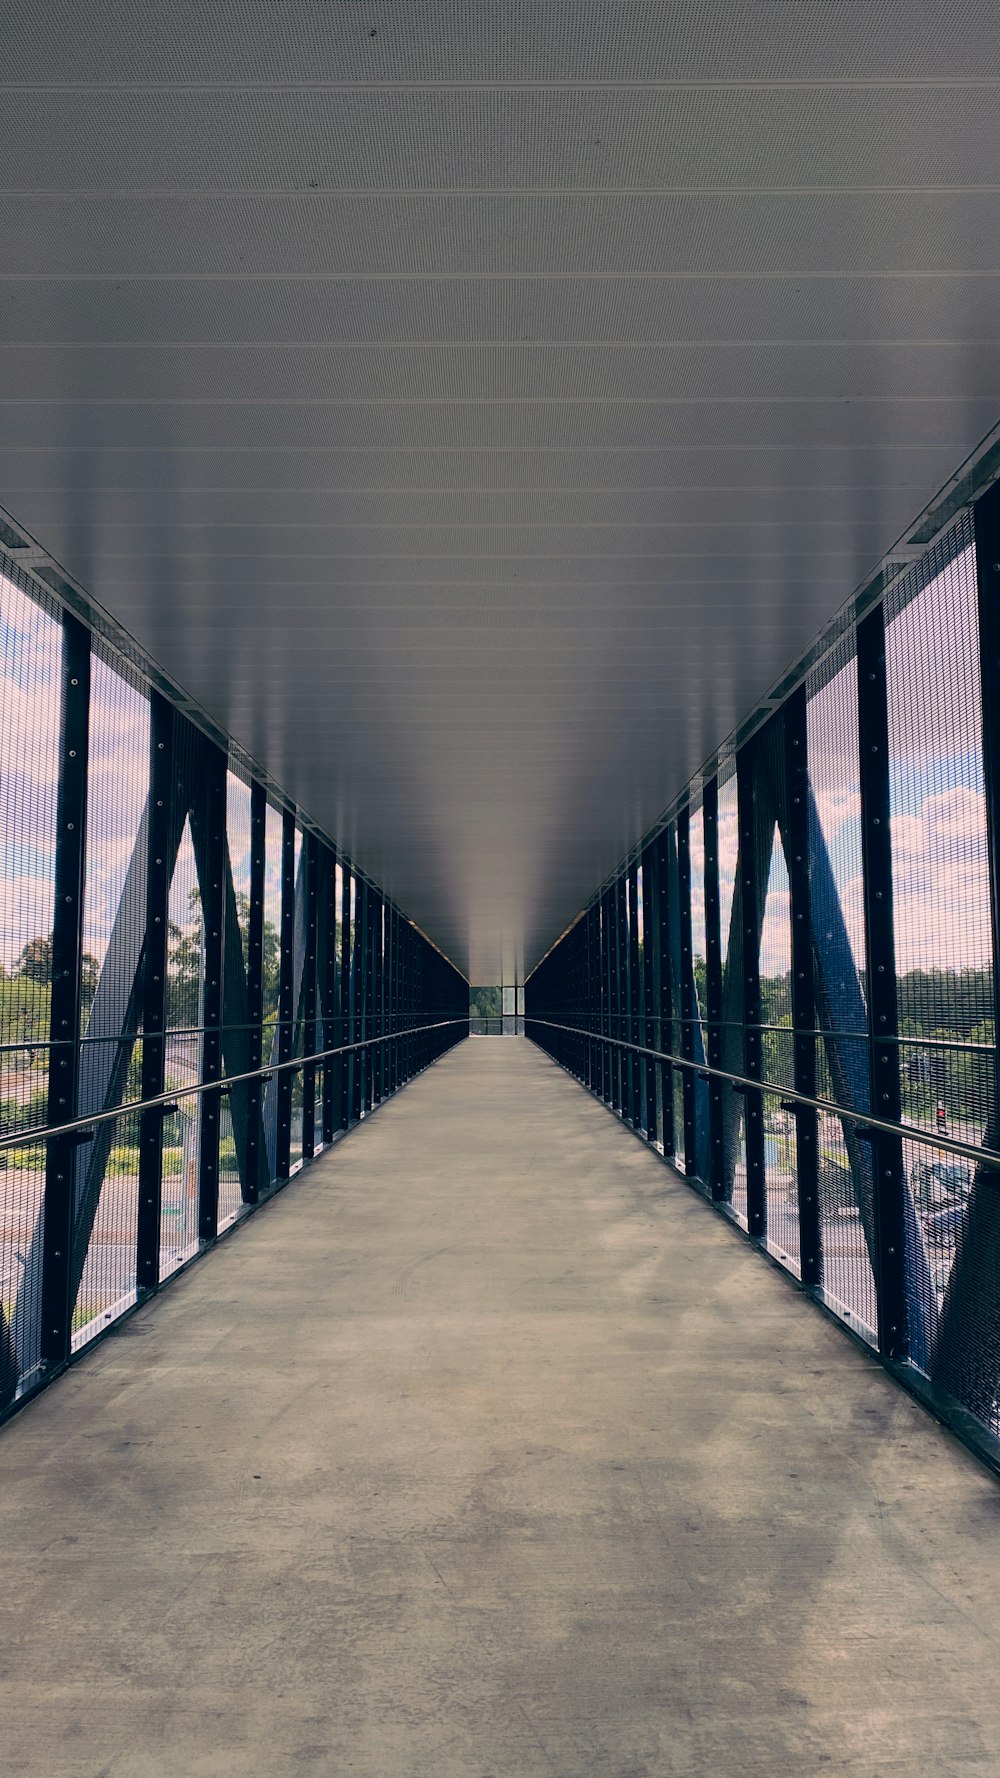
(619,1060)
(607,1000)
(307,1002)
(392,972)
(256,1151)
(889,1179)
(211,792)
(589,943)
(688,1008)
(713,993)
(371,923)
(154,988)
(378,959)
(358,974)
(346,1003)
(664,989)
(796,764)
(634,999)
(326,933)
(649,989)
(753,1061)
(286,998)
(64,1006)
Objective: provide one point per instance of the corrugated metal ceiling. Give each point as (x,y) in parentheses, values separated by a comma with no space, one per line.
(477,408)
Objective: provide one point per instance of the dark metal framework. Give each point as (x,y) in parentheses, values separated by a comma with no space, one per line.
(832,1099)
(164,1128)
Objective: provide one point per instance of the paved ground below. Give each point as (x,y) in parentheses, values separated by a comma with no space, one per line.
(489,1451)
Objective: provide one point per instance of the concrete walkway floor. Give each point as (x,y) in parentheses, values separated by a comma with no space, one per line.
(488,1451)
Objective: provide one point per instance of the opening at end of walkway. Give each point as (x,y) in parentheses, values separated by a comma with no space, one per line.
(488,1451)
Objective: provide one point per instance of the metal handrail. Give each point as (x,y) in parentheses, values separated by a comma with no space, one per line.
(48,1132)
(268,1022)
(986,1157)
(901,1040)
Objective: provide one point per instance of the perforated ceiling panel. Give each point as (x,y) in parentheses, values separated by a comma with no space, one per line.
(477,407)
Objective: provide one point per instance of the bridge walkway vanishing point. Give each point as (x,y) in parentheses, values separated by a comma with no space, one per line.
(488,1451)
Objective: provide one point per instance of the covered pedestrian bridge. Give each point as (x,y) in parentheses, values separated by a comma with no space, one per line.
(499,889)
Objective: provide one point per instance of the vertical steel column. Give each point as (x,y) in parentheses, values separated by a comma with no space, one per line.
(664,990)
(286,998)
(307,1004)
(379,981)
(401,940)
(750,948)
(386,1046)
(607,1002)
(374,944)
(358,976)
(256,1168)
(371,915)
(327,932)
(393,1046)
(596,1003)
(688,1008)
(713,993)
(64,1007)
(589,1009)
(634,999)
(618,967)
(365,993)
(796,761)
(649,951)
(154,989)
(397,1000)
(346,1021)
(887,1151)
(213,792)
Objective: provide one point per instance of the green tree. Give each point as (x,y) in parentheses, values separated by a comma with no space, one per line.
(35,961)
(485,1003)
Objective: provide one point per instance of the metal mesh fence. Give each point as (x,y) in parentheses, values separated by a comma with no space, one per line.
(854,849)
(30,669)
(108,1270)
(837,909)
(22,1226)
(155,984)
(941,900)
(30,665)
(298,1042)
(238,1054)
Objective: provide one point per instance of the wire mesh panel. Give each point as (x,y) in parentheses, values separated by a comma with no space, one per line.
(108,1270)
(731,1048)
(837,904)
(352,1061)
(675,1026)
(272,972)
(239,839)
(699,950)
(30,662)
(851,863)
(22,1223)
(298,1047)
(335,1028)
(777,1038)
(235,1046)
(114,924)
(941,903)
(30,666)
(185,987)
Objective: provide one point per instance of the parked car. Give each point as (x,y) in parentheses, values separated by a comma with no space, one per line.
(945,1226)
(938,1185)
